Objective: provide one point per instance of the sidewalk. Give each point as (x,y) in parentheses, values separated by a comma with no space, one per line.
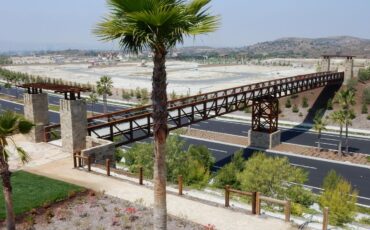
(178,206)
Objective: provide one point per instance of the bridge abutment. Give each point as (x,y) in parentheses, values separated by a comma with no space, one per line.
(325,64)
(73,121)
(264,140)
(36,111)
(348,69)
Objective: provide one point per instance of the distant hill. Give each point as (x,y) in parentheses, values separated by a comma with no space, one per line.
(307,47)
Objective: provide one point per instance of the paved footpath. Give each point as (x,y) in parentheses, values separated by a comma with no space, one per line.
(197,212)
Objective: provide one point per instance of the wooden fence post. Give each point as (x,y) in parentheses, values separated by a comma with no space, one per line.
(325,220)
(287,211)
(258,204)
(79,160)
(227,196)
(180,185)
(254,196)
(141,175)
(107,165)
(89,163)
(74,160)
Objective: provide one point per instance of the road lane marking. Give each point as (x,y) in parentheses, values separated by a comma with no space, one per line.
(323,143)
(329,139)
(304,166)
(217,150)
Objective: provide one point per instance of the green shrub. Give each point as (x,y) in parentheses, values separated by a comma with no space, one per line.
(119,154)
(296,209)
(227,175)
(364,74)
(304,102)
(365,220)
(288,103)
(340,198)
(295,109)
(248,110)
(352,84)
(300,114)
(275,177)
(329,105)
(368,117)
(364,109)
(366,96)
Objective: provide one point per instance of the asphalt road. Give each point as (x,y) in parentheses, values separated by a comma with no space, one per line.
(358,176)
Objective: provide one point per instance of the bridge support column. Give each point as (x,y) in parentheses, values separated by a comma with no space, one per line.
(73,121)
(325,64)
(348,69)
(264,133)
(36,110)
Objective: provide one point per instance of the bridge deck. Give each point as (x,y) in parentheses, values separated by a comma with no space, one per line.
(135,124)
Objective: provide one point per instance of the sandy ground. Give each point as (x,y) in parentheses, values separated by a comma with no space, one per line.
(99,211)
(183,77)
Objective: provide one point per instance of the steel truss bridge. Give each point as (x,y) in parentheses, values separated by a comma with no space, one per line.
(130,125)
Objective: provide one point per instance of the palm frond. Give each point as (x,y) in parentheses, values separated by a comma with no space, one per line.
(24,157)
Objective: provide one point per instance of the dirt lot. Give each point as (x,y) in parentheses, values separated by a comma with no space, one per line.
(97,211)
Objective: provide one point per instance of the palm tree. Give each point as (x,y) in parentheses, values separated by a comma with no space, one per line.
(10,124)
(319,126)
(346,99)
(338,117)
(157,25)
(104,88)
(92,99)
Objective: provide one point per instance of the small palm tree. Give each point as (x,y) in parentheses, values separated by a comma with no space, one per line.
(338,117)
(104,88)
(157,25)
(92,99)
(10,124)
(319,126)
(346,99)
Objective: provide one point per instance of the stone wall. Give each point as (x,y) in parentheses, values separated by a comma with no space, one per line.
(264,140)
(73,121)
(99,150)
(36,110)
(348,69)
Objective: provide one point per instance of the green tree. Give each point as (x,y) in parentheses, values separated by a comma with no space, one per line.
(338,117)
(158,25)
(364,109)
(329,105)
(10,124)
(126,95)
(274,177)
(331,180)
(319,126)
(92,99)
(104,88)
(228,174)
(340,198)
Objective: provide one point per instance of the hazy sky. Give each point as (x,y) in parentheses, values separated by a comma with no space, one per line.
(43,24)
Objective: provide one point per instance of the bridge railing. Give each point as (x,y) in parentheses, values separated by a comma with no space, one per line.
(137,127)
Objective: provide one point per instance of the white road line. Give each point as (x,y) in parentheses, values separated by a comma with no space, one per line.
(205,122)
(329,139)
(323,143)
(217,150)
(245,132)
(195,125)
(304,166)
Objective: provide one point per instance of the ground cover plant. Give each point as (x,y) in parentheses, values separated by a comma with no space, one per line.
(32,191)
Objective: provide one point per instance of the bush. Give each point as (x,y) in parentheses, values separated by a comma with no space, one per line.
(340,198)
(352,84)
(364,74)
(366,96)
(368,117)
(275,177)
(119,154)
(304,102)
(364,109)
(288,103)
(329,105)
(300,114)
(227,175)
(295,109)
(248,110)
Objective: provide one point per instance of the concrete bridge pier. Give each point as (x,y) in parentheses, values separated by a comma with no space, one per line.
(264,133)
(325,64)
(36,110)
(73,121)
(348,68)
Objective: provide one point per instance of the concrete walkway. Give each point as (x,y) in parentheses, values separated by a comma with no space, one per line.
(194,211)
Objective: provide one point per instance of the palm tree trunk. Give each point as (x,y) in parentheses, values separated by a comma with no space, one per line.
(160,129)
(105,103)
(340,140)
(347,148)
(318,142)
(92,109)
(7,190)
